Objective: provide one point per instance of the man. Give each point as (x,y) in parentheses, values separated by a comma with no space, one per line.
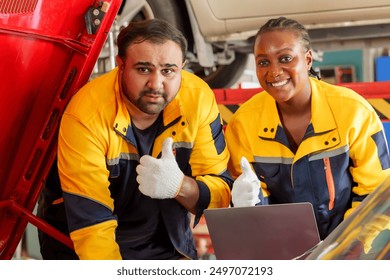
(139,148)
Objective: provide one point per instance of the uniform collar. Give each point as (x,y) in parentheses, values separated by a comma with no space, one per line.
(173,111)
(122,120)
(322,119)
(322,116)
(269,118)
(122,123)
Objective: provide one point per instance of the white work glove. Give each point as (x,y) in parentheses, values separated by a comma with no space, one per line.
(160,178)
(246,187)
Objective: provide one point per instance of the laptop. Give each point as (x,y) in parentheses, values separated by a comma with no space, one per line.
(266,232)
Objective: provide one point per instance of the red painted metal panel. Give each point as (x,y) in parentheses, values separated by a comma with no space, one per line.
(370,89)
(366,89)
(47,52)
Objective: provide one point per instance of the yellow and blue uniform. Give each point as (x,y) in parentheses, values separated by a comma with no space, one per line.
(108,217)
(343,156)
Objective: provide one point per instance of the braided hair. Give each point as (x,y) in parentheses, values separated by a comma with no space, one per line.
(293,25)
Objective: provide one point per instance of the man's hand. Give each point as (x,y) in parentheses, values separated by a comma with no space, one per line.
(246,188)
(160,178)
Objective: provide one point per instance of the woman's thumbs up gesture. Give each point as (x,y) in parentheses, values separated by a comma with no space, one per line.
(246,187)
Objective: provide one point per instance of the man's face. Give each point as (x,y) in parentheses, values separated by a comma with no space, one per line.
(150,75)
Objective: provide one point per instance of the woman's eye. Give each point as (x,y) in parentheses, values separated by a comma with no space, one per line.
(262,63)
(286,59)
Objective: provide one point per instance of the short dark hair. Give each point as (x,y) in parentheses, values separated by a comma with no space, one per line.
(154,30)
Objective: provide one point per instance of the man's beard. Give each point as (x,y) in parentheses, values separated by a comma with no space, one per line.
(147,107)
(151,108)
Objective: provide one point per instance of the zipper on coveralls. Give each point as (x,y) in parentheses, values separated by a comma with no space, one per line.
(329,182)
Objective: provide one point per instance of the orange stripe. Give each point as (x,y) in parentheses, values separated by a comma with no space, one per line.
(330,182)
(58,201)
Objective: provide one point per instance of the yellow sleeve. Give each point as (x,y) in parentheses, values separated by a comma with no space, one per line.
(96,242)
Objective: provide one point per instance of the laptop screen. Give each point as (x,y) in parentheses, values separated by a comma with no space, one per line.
(266,232)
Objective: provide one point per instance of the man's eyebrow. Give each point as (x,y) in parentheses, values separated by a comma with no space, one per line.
(148,64)
(144,63)
(169,65)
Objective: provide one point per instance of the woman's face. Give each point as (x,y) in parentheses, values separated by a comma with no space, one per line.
(282,64)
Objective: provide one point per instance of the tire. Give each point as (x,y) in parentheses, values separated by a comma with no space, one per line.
(167,10)
(175,13)
(225,76)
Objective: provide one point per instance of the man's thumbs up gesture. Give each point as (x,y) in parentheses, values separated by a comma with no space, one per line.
(246,187)
(160,178)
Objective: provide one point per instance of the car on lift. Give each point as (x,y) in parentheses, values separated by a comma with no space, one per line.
(221,32)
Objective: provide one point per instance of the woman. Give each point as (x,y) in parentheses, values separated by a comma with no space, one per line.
(306,140)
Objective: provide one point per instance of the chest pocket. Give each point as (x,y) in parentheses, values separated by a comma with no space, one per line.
(267,172)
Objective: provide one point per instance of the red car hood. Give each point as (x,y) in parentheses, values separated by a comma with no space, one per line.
(48,50)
